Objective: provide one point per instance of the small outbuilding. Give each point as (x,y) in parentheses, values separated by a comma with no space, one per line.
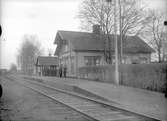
(47,66)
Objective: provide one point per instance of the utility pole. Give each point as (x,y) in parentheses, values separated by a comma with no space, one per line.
(0,47)
(120,31)
(116,42)
(165,23)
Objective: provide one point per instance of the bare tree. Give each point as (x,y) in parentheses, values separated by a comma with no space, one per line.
(101,13)
(28,53)
(132,18)
(156,33)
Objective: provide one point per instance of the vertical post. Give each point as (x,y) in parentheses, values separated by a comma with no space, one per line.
(165,24)
(120,30)
(0,44)
(116,43)
(121,41)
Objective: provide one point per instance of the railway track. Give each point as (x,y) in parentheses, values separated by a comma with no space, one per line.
(90,108)
(55,111)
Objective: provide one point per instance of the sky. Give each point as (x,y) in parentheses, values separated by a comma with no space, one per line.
(42,18)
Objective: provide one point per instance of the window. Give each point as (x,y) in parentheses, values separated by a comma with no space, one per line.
(60,61)
(65,47)
(97,61)
(66,60)
(124,60)
(92,60)
(88,60)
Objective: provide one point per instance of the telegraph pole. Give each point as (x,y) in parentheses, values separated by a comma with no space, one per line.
(120,31)
(0,45)
(165,23)
(116,42)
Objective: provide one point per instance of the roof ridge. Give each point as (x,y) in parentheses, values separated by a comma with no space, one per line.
(74,31)
(47,56)
(93,33)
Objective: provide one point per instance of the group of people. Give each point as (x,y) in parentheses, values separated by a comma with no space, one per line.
(62,71)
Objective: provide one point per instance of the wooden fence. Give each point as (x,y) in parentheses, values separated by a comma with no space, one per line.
(147,76)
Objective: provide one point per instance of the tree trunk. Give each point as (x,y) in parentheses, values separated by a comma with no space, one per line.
(159,55)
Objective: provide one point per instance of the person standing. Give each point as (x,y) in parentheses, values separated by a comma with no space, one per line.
(65,71)
(60,71)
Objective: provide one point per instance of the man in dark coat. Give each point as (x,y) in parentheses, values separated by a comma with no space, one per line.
(60,71)
(65,71)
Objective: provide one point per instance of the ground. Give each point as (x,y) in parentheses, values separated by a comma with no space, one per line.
(19,103)
(144,102)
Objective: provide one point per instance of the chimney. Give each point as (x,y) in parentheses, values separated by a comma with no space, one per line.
(96,29)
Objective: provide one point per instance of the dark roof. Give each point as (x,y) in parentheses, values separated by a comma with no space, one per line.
(84,41)
(47,60)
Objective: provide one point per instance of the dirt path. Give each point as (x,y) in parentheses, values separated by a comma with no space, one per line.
(19,103)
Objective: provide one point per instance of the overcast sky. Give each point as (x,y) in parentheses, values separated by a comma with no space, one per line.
(42,18)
